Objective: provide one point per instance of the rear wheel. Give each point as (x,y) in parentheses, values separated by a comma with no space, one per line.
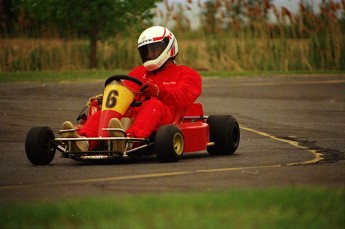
(38,145)
(224,133)
(169,143)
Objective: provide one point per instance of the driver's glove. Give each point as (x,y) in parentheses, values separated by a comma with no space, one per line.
(149,89)
(98,97)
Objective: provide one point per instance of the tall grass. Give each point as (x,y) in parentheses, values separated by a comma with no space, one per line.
(234,35)
(240,36)
(54,54)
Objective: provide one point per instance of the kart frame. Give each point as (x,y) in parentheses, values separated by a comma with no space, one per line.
(64,144)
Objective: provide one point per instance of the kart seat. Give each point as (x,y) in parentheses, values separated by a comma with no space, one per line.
(195,110)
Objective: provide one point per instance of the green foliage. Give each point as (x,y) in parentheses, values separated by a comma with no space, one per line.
(92,19)
(101,18)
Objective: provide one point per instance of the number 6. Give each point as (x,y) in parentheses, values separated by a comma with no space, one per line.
(111,99)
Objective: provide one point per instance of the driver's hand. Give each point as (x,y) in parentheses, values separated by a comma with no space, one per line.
(149,89)
(98,97)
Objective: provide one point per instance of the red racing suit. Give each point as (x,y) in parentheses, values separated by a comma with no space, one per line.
(179,86)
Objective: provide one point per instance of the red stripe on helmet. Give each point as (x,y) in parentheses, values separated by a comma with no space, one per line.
(159,38)
(172,51)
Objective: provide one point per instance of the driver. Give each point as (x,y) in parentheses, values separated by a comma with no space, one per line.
(171,88)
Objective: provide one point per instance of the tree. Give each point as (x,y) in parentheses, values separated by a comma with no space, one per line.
(94,19)
(7,17)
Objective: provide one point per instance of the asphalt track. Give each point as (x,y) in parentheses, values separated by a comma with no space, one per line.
(292,134)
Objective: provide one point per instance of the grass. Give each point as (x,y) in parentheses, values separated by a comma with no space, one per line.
(55,76)
(220,54)
(301,207)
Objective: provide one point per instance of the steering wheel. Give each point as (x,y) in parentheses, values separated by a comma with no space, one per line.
(118,78)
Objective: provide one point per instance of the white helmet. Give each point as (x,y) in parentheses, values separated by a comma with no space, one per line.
(156,45)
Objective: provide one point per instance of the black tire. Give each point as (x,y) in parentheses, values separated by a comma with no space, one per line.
(38,145)
(169,143)
(225,133)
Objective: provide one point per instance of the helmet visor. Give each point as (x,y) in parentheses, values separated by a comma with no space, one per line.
(152,51)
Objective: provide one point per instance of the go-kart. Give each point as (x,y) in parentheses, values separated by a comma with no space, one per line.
(191,132)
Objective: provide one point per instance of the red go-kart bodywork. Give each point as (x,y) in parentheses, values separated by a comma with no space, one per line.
(192,132)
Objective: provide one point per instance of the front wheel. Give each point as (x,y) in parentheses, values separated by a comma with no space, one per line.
(224,133)
(169,143)
(38,145)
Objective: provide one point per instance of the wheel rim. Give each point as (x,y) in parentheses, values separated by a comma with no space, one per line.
(178,144)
